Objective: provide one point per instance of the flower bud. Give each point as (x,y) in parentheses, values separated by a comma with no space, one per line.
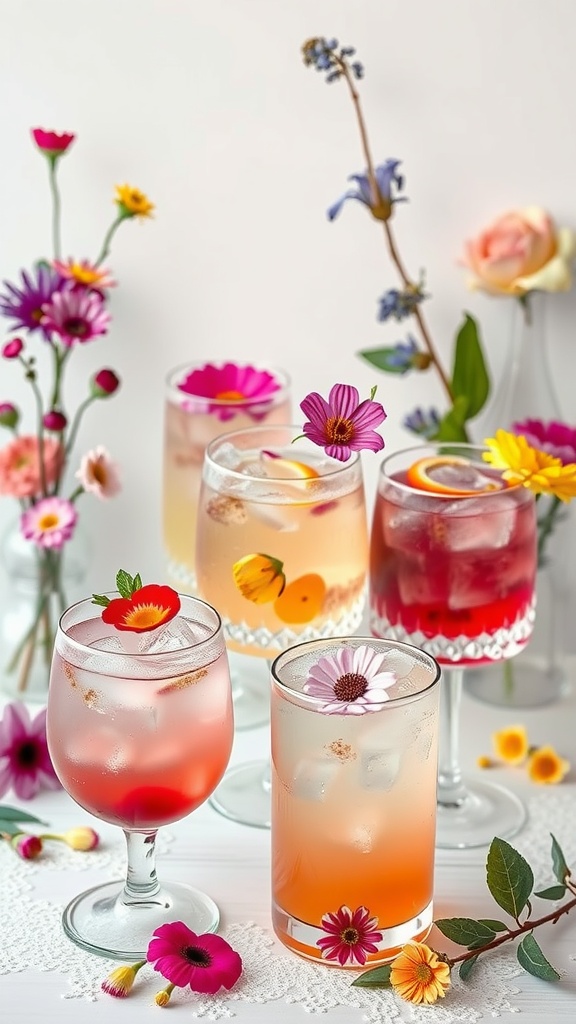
(13,348)
(104,383)
(82,838)
(9,415)
(55,420)
(26,846)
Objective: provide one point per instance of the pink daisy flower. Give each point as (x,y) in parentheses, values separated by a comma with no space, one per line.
(351,936)
(343,424)
(204,962)
(558,439)
(20,466)
(98,474)
(350,681)
(231,386)
(75,314)
(50,522)
(85,273)
(25,765)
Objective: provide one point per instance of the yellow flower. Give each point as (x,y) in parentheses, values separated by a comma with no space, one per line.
(540,472)
(132,202)
(259,578)
(163,998)
(119,983)
(546,766)
(511,744)
(485,762)
(418,975)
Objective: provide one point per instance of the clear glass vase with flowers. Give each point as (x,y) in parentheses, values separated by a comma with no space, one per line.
(57,306)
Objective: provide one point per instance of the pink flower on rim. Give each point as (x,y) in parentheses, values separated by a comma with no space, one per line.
(558,439)
(351,936)
(50,522)
(84,273)
(343,424)
(351,681)
(232,387)
(204,962)
(52,143)
(98,474)
(25,764)
(75,314)
(20,466)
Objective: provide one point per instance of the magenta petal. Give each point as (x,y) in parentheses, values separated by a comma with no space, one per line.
(14,726)
(368,414)
(344,399)
(25,785)
(338,451)
(5,779)
(316,409)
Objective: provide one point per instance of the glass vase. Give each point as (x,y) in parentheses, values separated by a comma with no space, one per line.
(537,676)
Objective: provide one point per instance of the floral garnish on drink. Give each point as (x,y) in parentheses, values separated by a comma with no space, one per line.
(343,424)
(351,681)
(139,608)
(229,387)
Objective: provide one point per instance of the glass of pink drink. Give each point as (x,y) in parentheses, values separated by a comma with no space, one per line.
(452,570)
(140,730)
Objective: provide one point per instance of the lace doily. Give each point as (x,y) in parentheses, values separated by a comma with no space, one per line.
(33,939)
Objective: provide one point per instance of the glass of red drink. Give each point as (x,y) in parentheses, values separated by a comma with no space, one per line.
(452,571)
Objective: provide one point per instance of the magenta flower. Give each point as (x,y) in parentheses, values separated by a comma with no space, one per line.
(50,522)
(204,962)
(54,420)
(342,424)
(231,386)
(558,439)
(51,143)
(351,681)
(25,764)
(12,348)
(104,383)
(25,304)
(98,474)
(27,847)
(75,314)
(351,936)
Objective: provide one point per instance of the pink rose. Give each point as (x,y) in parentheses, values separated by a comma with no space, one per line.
(519,252)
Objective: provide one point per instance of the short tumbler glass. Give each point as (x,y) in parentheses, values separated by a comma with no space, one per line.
(353,802)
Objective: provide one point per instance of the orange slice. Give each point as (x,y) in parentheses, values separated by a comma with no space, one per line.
(289,469)
(451,475)
(301,600)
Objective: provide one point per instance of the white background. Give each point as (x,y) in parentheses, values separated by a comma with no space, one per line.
(207,107)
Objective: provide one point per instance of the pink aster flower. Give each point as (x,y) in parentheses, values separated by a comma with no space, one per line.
(351,936)
(50,522)
(98,474)
(51,143)
(351,681)
(25,764)
(75,314)
(204,962)
(558,439)
(343,424)
(20,466)
(231,386)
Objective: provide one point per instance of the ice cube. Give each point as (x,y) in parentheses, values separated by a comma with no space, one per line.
(469,525)
(174,636)
(227,456)
(398,662)
(379,768)
(417,585)
(313,776)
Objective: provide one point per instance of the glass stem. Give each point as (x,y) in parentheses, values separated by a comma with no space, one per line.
(141,881)
(451,790)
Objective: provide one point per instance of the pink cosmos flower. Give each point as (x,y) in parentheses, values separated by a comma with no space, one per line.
(232,386)
(25,764)
(20,466)
(343,424)
(204,962)
(50,522)
(351,936)
(98,474)
(350,681)
(12,348)
(75,314)
(52,143)
(557,439)
(84,273)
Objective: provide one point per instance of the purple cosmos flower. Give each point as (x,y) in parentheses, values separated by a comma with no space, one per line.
(387,179)
(204,962)
(399,304)
(351,936)
(351,681)
(25,304)
(25,764)
(75,314)
(423,423)
(558,439)
(342,424)
(50,522)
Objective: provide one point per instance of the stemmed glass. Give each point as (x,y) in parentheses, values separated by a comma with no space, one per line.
(282,551)
(452,571)
(203,400)
(140,730)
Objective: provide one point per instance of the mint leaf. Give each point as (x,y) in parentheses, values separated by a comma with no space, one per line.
(466,967)
(101,599)
(559,865)
(465,931)
(383,359)
(555,892)
(532,959)
(15,814)
(469,375)
(378,977)
(124,583)
(509,877)
(137,582)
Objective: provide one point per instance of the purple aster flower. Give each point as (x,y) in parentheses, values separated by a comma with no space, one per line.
(399,304)
(75,314)
(558,439)
(343,424)
(387,179)
(350,681)
(50,522)
(423,423)
(25,764)
(25,304)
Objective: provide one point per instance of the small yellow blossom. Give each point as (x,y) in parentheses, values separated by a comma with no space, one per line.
(546,766)
(511,744)
(163,998)
(418,975)
(483,761)
(119,983)
(132,202)
(259,578)
(537,470)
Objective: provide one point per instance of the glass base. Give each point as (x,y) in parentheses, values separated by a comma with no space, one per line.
(525,682)
(250,690)
(244,794)
(102,920)
(487,811)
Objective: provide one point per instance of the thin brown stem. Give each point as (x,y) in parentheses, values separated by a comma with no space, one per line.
(528,926)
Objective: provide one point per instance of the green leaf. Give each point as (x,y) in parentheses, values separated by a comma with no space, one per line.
(378,977)
(137,583)
(15,814)
(124,583)
(10,827)
(555,892)
(465,930)
(559,865)
(469,375)
(532,959)
(466,967)
(496,926)
(101,599)
(452,424)
(383,359)
(509,877)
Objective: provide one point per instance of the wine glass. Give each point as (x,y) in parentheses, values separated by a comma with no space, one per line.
(282,551)
(140,730)
(202,400)
(452,571)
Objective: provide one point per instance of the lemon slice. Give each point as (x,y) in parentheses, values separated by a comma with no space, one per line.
(451,475)
(289,469)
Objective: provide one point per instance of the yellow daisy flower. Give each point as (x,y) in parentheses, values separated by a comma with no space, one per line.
(418,975)
(132,202)
(259,578)
(537,470)
(511,744)
(546,766)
